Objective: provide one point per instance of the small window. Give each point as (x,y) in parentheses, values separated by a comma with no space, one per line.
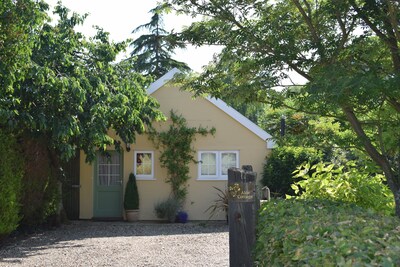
(214,165)
(208,162)
(144,165)
(228,160)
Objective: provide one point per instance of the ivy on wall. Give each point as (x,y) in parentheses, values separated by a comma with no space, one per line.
(175,145)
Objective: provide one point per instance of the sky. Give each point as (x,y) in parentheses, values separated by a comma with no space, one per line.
(120,17)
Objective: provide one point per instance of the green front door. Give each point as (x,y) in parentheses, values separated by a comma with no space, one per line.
(108,186)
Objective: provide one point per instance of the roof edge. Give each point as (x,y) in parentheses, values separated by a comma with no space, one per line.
(236,115)
(162,80)
(219,104)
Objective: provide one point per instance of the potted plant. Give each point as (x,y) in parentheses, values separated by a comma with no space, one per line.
(220,204)
(182,217)
(131,200)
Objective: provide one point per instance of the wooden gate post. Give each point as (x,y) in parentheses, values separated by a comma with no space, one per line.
(242,214)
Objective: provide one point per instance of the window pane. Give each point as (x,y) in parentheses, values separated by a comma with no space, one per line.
(208,164)
(228,160)
(114,170)
(115,180)
(109,169)
(144,164)
(103,180)
(103,169)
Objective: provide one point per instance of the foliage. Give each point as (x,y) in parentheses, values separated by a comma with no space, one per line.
(280,165)
(11,166)
(177,152)
(40,196)
(167,209)
(325,233)
(346,52)
(73,93)
(350,183)
(307,130)
(220,204)
(131,200)
(20,23)
(153,51)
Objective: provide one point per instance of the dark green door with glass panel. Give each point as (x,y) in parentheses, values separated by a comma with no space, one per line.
(108,186)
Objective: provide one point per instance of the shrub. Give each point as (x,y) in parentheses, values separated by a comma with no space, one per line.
(167,209)
(11,172)
(348,183)
(300,232)
(278,169)
(220,204)
(131,200)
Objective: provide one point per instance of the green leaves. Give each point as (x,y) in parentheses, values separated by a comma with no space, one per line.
(352,183)
(347,53)
(325,233)
(69,88)
(176,149)
(153,51)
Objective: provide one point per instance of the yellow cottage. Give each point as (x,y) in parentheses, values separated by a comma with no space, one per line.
(237,142)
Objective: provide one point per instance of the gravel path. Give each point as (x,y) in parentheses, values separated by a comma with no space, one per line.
(85,243)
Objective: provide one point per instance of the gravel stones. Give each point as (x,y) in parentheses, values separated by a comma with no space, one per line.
(87,243)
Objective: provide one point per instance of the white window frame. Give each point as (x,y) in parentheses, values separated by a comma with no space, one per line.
(218,175)
(142,176)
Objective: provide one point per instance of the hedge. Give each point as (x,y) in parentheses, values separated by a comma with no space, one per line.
(11,166)
(279,167)
(324,233)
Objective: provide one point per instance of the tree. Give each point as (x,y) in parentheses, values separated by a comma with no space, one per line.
(346,50)
(20,23)
(73,93)
(154,50)
(62,92)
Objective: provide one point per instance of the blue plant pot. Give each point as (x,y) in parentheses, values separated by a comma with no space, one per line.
(182,217)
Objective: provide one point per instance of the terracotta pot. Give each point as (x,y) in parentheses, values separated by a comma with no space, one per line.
(132,215)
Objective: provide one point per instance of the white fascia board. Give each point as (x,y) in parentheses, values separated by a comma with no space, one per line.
(162,81)
(243,120)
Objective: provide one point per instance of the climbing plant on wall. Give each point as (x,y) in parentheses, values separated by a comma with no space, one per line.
(175,145)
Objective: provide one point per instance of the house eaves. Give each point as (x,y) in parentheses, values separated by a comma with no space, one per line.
(219,104)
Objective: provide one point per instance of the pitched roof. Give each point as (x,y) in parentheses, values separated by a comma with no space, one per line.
(219,104)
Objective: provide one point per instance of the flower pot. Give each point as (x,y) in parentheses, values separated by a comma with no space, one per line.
(132,215)
(182,217)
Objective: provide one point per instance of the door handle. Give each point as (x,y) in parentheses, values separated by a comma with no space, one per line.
(76,186)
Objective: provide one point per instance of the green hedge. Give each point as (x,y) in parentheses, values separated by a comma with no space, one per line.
(324,233)
(279,167)
(11,167)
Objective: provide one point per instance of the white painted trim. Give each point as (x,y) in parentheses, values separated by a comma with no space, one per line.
(162,81)
(243,120)
(219,176)
(221,105)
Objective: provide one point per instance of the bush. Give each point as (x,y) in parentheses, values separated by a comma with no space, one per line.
(299,232)
(11,172)
(348,183)
(167,209)
(278,169)
(131,199)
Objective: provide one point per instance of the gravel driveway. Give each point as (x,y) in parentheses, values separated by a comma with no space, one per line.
(86,243)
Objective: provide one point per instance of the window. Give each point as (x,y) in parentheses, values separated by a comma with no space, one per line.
(214,165)
(144,165)
(109,169)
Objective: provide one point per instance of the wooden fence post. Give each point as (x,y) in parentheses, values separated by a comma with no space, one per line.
(242,214)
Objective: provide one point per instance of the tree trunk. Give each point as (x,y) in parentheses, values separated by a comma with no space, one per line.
(397,202)
(381,160)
